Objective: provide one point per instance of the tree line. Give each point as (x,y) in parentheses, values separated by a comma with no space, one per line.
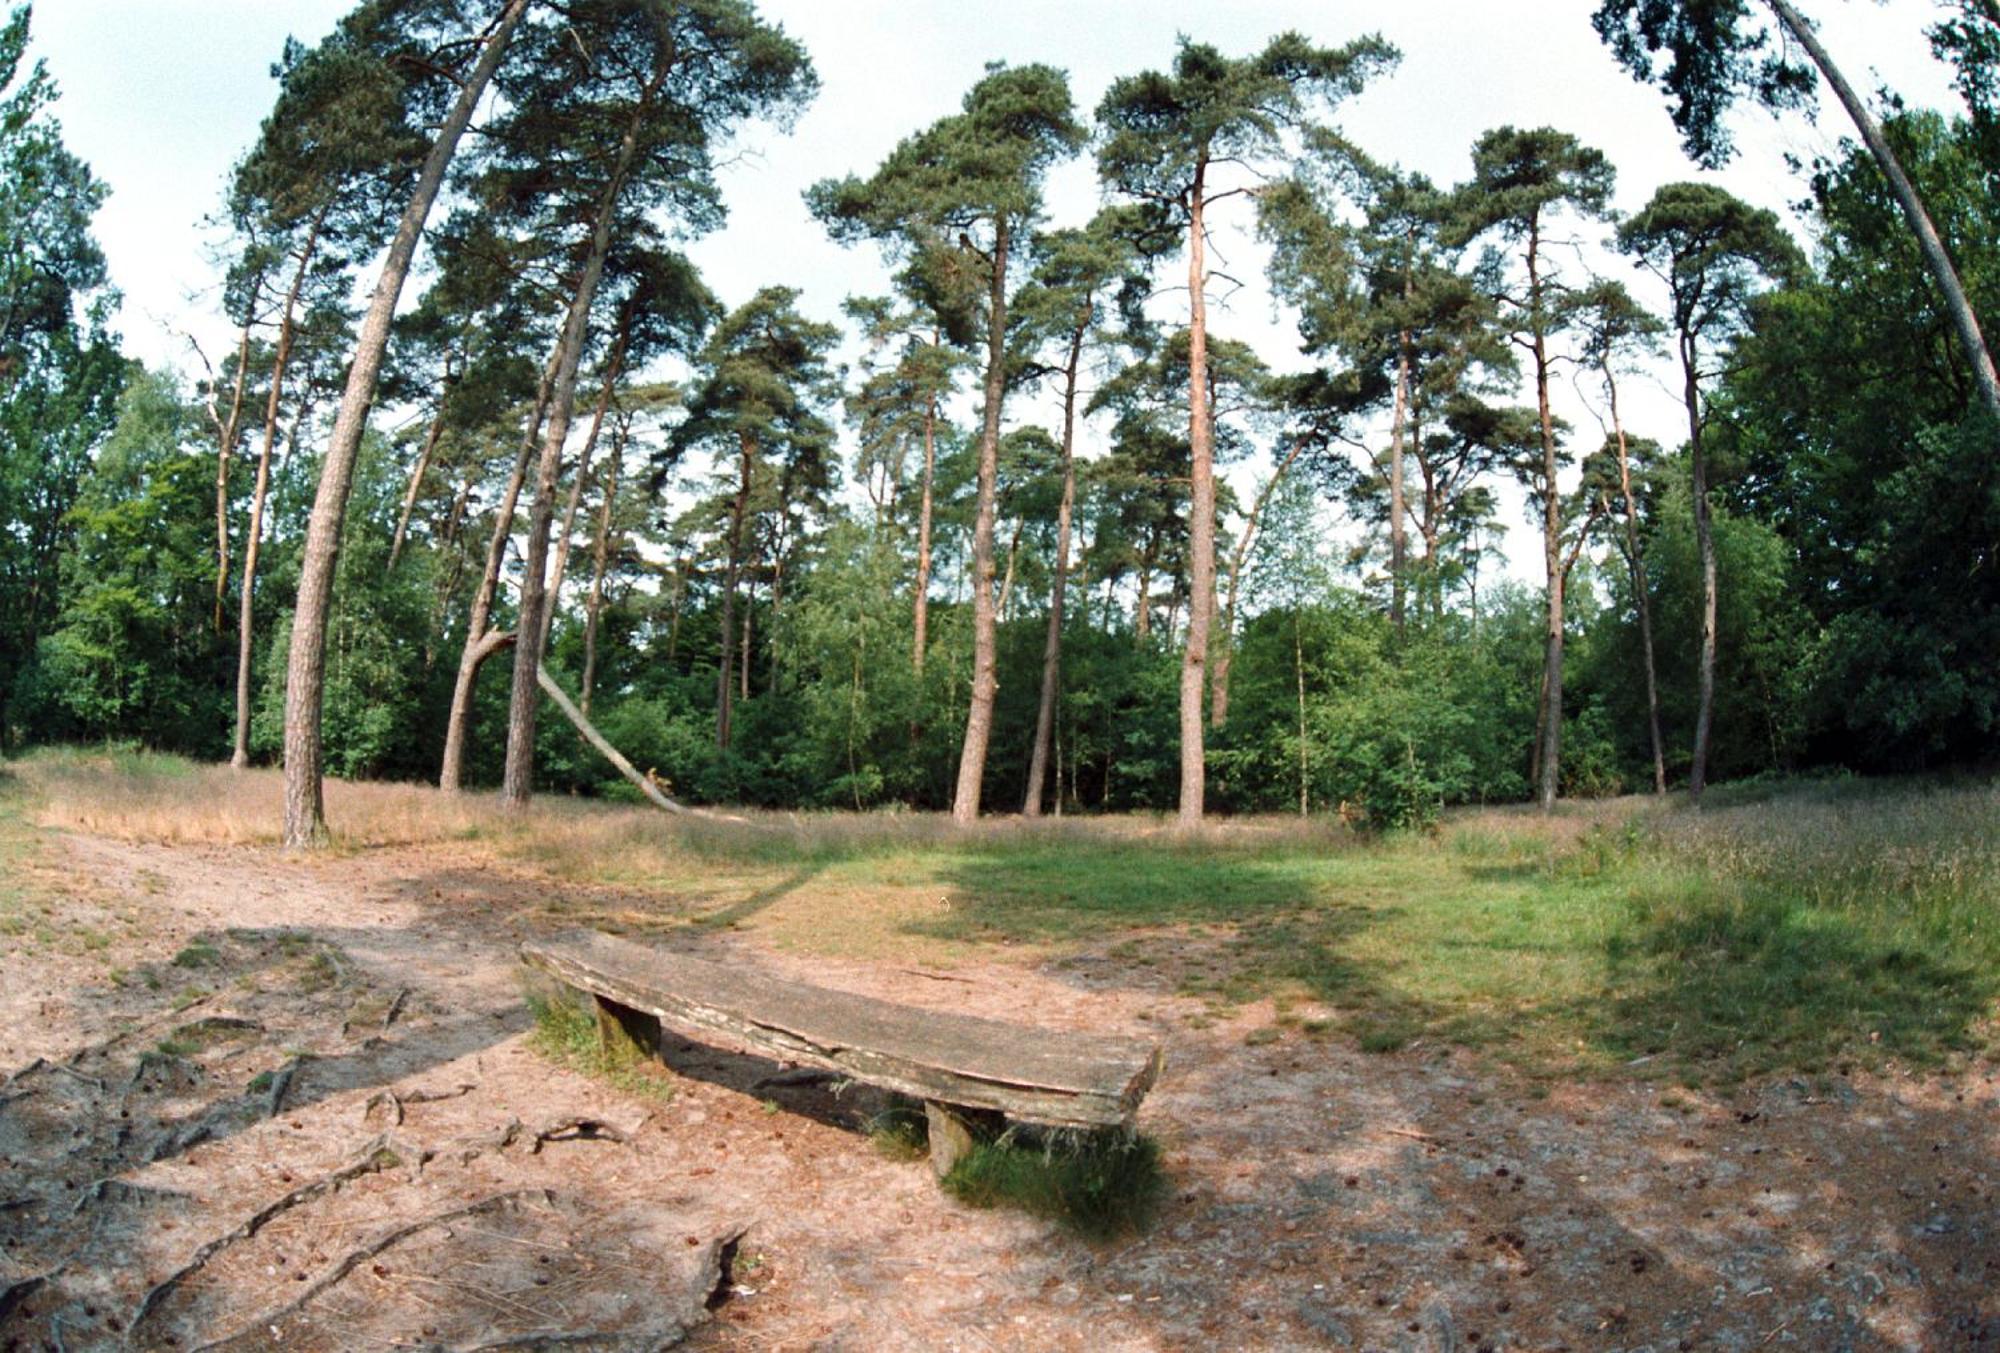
(770,579)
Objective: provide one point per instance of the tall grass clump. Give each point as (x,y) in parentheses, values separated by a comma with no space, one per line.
(1100,1185)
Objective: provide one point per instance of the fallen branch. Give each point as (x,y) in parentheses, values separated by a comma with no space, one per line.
(395,1007)
(577,1129)
(376,1156)
(355,1258)
(617,758)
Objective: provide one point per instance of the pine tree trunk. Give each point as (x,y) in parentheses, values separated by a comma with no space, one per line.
(226,432)
(518,780)
(254,534)
(923,599)
(725,689)
(1548,769)
(1704,534)
(417,480)
(305,685)
(1045,712)
(600,560)
(1937,259)
(563,537)
(1299,676)
(458,723)
(1201,521)
(985,678)
(1636,561)
(1397,542)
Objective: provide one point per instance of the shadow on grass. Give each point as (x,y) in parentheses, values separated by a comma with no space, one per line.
(1226,923)
(1739,986)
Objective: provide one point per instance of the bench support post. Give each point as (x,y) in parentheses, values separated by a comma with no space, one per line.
(953,1130)
(620,1026)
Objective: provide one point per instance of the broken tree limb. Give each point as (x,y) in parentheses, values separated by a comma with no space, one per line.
(603,745)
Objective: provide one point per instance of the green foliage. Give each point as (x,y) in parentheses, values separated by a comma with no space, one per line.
(1101,1185)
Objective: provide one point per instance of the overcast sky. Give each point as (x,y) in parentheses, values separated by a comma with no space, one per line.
(160,96)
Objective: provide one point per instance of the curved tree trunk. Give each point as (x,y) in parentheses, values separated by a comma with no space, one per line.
(417,473)
(1937,259)
(254,535)
(226,433)
(305,685)
(1045,713)
(1201,521)
(517,783)
(985,678)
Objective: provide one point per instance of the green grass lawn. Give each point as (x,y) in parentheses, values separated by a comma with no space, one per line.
(1779,928)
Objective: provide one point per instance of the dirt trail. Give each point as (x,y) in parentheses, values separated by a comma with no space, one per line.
(1323,1198)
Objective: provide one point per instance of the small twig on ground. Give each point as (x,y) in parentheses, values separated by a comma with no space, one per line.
(353,1259)
(395,1007)
(379,1154)
(938,976)
(1411,1133)
(399,1102)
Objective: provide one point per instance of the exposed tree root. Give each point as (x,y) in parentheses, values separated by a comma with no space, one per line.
(13,1293)
(398,1102)
(282,1081)
(353,1259)
(379,1154)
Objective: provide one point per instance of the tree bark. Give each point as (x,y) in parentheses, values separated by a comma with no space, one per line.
(254,535)
(517,782)
(1937,259)
(1045,712)
(600,560)
(1201,520)
(305,685)
(725,689)
(1548,768)
(458,722)
(1704,534)
(1397,543)
(985,679)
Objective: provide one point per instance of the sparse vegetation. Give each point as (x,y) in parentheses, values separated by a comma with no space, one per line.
(566,1033)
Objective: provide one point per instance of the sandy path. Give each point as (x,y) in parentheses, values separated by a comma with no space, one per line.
(1323,1197)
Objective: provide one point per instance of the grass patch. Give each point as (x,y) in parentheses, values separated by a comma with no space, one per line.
(1101,1185)
(566,1032)
(200,954)
(899,1132)
(1781,927)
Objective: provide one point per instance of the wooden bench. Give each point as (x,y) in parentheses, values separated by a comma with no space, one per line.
(960,1066)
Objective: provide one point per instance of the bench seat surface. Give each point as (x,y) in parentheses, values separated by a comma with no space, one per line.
(1036,1075)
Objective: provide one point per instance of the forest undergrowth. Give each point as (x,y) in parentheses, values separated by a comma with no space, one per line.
(1783,927)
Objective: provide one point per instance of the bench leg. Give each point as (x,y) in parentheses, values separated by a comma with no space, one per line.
(953,1131)
(620,1026)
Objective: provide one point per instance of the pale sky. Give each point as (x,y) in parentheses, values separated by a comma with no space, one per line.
(160,96)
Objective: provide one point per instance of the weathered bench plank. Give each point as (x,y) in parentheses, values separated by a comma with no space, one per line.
(1034,1075)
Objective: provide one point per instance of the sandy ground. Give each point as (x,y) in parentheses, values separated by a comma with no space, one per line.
(322,1127)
